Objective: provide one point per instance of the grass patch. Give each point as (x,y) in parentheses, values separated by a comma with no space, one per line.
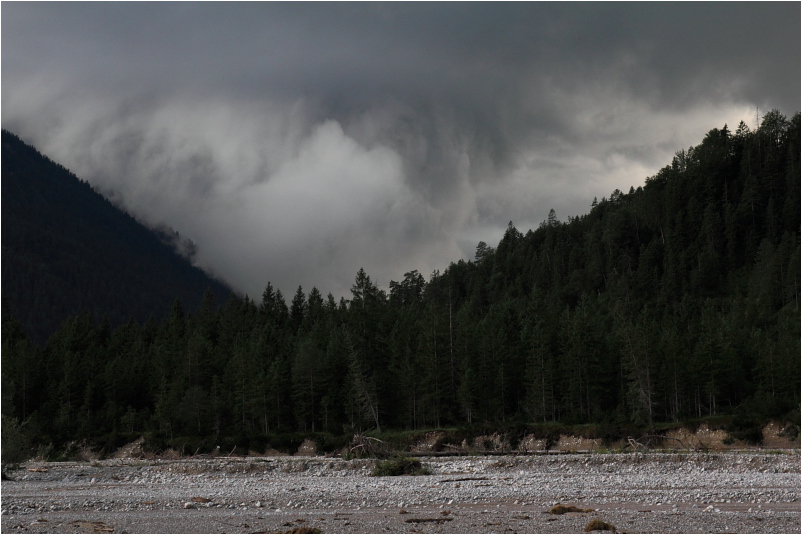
(304,529)
(561,509)
(423,520)
(599,525)
(400,466)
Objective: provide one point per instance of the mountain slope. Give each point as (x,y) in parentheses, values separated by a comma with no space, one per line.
(676,301)
(66,249)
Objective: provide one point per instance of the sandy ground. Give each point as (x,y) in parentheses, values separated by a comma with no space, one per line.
(637,493)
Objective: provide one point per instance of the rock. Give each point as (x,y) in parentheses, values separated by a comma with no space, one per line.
(189,505)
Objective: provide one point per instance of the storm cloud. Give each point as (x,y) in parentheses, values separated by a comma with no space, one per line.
(298,142)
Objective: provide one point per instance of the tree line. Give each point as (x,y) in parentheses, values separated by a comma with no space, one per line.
(674,301)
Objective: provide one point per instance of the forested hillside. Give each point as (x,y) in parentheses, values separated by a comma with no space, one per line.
(674,301)
(66,249)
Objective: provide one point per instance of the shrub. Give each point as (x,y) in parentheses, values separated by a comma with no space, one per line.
(155,442)
(285,442)
(791,428)
(745,428)
(400,466)
(257,443)
(328,443)
(110,443)
(16,445)
(790,431)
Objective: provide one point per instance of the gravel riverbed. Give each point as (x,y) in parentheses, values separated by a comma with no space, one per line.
(749,492)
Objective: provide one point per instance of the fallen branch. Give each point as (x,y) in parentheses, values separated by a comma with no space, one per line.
(635,444)
(369,445)
(646,442)
(660,437)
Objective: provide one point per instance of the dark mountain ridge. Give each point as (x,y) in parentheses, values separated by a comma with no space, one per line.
(66,249)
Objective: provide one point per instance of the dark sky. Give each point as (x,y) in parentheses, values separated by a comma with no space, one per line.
(299,142)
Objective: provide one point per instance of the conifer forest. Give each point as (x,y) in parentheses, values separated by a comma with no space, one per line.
(674,301)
